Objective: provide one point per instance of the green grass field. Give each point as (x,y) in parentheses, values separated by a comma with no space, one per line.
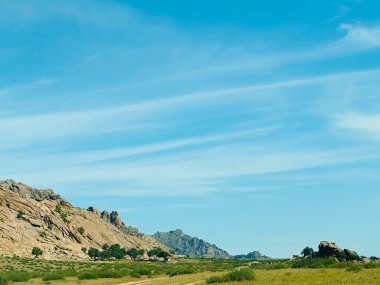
(189,271)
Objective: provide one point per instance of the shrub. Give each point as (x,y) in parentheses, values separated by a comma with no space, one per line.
(20,277)
(88,275)
(354,268)
(135,275)
(237,275)
(81,230)
(43,234)
(84,249)
(110,274)
(3,280)
(20,214)
(53,276)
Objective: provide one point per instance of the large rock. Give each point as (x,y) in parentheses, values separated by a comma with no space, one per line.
(328,249)
(351,255)
(29,218)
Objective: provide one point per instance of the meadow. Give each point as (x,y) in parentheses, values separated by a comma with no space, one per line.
(21,271)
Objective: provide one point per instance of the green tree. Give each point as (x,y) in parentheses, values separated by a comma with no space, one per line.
(116,251)
(93,253)
(134,253)
(158,253)
(307,251)
(36,251)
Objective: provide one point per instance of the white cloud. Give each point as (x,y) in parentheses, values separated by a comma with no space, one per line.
(361,36)
(364,124)
(188,173)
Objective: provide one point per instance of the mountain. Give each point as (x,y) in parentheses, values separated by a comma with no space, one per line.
(251,255)
(31,217)
(187,245)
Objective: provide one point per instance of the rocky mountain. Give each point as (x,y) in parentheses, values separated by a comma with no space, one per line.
(187,245)
(251,255)
(32,217)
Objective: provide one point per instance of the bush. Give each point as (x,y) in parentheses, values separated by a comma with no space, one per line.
(20,277)
(20,214)
(88,275)
(110,274)
(354,268)
(53,276)
(237,275)
(135,275)
(81,230)
(3,280)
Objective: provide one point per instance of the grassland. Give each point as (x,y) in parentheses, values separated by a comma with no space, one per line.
(188,271)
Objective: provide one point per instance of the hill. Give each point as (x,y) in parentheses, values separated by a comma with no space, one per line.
(31,217)
(187,245)
(251,255)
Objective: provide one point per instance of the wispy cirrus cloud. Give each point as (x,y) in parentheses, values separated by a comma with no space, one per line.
(362,124)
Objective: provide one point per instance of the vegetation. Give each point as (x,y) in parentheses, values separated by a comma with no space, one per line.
(36,251)
(62,214)
(158,253)
(307,251)
(81,230)
(311,271)
(236,275)
(114,251)
(20,214)
(134,253)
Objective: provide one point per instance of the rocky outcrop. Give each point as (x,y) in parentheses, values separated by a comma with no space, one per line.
(328,249)
(187,245)
(32,217)
(332,250)
(251,255)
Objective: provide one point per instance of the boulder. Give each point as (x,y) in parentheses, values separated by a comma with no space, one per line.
(351,255)
(328,249)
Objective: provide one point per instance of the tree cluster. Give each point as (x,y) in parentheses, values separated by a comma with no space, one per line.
(158,253)
(114,251)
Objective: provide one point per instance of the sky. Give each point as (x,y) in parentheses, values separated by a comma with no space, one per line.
(254,125)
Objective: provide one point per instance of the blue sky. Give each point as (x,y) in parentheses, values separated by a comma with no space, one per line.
(253,125)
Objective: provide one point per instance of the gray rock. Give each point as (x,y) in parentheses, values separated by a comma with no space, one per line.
(187,245)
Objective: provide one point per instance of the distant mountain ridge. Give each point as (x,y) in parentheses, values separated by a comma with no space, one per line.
(192,246)
(251,255)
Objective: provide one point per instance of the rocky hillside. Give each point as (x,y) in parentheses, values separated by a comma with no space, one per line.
(32,217)
(187,245)
(251,255)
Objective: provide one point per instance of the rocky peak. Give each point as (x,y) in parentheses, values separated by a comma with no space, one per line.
(187,245)
(25,191)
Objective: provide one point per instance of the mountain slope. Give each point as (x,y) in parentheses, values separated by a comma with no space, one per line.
(31,217)
(187,245)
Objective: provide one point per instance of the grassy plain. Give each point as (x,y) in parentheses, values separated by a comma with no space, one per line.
(189,272)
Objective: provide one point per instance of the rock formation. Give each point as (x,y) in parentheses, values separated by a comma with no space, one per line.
(187,245)
(32,217)
(251,255)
